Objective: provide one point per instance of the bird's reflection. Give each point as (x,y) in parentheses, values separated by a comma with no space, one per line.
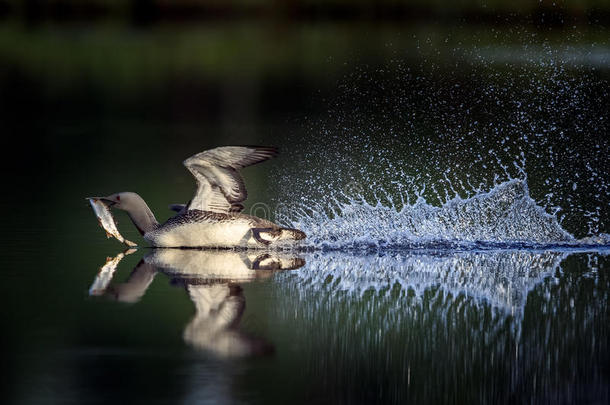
(212,280)
(220,307)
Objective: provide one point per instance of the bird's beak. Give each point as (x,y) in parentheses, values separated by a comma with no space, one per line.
(105,200)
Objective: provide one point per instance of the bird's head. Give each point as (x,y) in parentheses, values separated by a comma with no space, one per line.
(123,201)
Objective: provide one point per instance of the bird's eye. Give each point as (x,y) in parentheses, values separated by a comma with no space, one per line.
(118,198)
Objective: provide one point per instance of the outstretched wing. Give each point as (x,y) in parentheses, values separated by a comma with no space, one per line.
(220,187)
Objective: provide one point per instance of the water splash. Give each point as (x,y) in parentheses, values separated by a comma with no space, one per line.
(504,217)
(404,154)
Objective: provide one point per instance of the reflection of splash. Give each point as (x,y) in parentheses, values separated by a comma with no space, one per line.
(435,323)
(506,216)
(502,279)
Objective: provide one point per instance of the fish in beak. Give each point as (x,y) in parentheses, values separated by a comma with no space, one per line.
(101,207)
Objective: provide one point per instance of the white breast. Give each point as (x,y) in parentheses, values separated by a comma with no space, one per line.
(205,234)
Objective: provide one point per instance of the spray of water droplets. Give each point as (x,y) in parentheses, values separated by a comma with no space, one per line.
(473,153)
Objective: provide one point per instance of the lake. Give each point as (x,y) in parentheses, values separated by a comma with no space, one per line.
(452,181)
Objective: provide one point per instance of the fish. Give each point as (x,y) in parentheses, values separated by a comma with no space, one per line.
(107,221)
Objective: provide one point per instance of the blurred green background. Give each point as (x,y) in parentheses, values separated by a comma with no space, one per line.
(79,79)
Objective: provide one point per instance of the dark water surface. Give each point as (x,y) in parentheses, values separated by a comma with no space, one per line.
(424,326)
(395,141)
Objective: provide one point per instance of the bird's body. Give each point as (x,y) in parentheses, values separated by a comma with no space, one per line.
(213,217)
(195,228)
(203,228)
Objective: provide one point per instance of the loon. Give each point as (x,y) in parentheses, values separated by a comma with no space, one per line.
(213,217)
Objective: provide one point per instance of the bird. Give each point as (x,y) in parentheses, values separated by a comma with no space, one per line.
(213,218)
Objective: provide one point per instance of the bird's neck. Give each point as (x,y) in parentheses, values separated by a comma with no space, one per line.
(142,217)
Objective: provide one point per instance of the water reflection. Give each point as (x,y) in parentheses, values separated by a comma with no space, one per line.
(408,326)
(501,279)
(432,327)
(211,279)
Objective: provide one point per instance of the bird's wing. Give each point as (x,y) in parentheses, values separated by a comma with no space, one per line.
(220,187)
